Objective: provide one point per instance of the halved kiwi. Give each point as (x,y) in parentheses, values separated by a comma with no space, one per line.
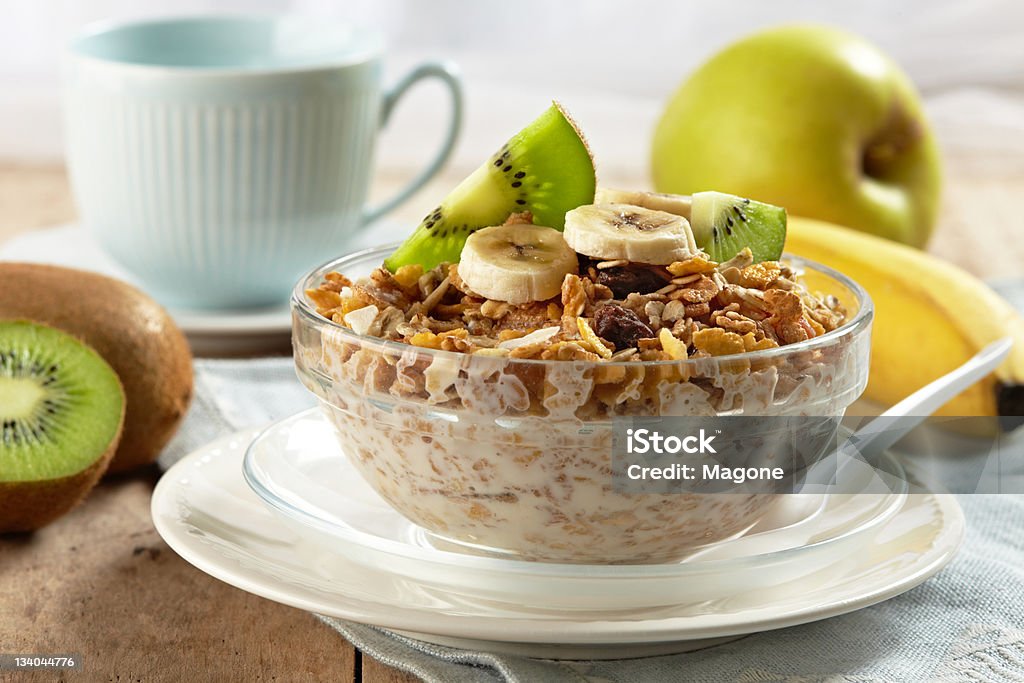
(723,224)
(545,169)
(132,332)
(61,414)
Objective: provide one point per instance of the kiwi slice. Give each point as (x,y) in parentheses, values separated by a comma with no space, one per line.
(545,169)
(61,413)
(723,224)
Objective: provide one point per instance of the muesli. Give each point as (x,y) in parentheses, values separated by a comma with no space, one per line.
(474,376)
(615,312)
(486,421)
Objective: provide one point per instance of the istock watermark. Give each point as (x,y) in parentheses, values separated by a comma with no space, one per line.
(751,454)
(642,441)
(653,442)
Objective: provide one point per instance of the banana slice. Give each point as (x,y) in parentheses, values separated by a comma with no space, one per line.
(678,204)
(517,262)
(625,231)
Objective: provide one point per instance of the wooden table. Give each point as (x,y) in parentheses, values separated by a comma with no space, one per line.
(101,583)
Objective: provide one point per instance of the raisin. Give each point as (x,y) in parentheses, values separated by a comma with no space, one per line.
(620,326)
(625,280)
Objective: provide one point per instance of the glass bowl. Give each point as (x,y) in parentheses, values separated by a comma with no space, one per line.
(513,456)
(299,472)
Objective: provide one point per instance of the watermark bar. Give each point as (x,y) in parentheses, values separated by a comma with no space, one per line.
(788,454)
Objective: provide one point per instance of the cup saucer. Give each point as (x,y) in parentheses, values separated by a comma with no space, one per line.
(220,332)
(298,470)
(206,512)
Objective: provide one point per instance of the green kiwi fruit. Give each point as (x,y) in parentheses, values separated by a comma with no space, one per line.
(61,413)
(131,331)
(545,169)
(724,224)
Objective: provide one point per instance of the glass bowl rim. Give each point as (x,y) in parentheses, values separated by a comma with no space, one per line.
(858,323)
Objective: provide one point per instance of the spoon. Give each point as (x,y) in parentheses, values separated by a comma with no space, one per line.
(867,443)
(872,439)
(892,425)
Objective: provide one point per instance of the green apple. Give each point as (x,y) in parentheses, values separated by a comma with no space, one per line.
(810,118)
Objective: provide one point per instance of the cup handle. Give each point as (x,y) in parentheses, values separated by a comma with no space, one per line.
(449,75)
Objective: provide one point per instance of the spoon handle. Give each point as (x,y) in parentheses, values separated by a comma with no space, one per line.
(894,423)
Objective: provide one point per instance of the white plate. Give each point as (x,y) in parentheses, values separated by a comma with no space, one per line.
(298,469)
(205,511)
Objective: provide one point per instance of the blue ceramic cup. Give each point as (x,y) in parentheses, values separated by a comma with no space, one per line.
(218,158)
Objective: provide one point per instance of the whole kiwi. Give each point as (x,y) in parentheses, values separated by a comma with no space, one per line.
(133,333)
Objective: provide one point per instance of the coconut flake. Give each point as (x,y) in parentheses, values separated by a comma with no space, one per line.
(361,319)
(541,335)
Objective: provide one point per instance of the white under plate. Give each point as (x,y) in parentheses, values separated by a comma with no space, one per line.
(298,469)
(205,511)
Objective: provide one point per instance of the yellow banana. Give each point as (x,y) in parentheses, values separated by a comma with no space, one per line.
(930,316)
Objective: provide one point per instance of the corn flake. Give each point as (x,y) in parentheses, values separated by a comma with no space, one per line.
(752,343)
(670,345)
(699,292)
(324,299)
(760,275)
(588,335)
(426,339)
(718,342)
(359,299)
(574,297)
(787,316)
(450,341)
(409,275)
(335,281)
(695,264)
(783,305)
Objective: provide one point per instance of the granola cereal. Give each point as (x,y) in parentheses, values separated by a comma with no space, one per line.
(596,313)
